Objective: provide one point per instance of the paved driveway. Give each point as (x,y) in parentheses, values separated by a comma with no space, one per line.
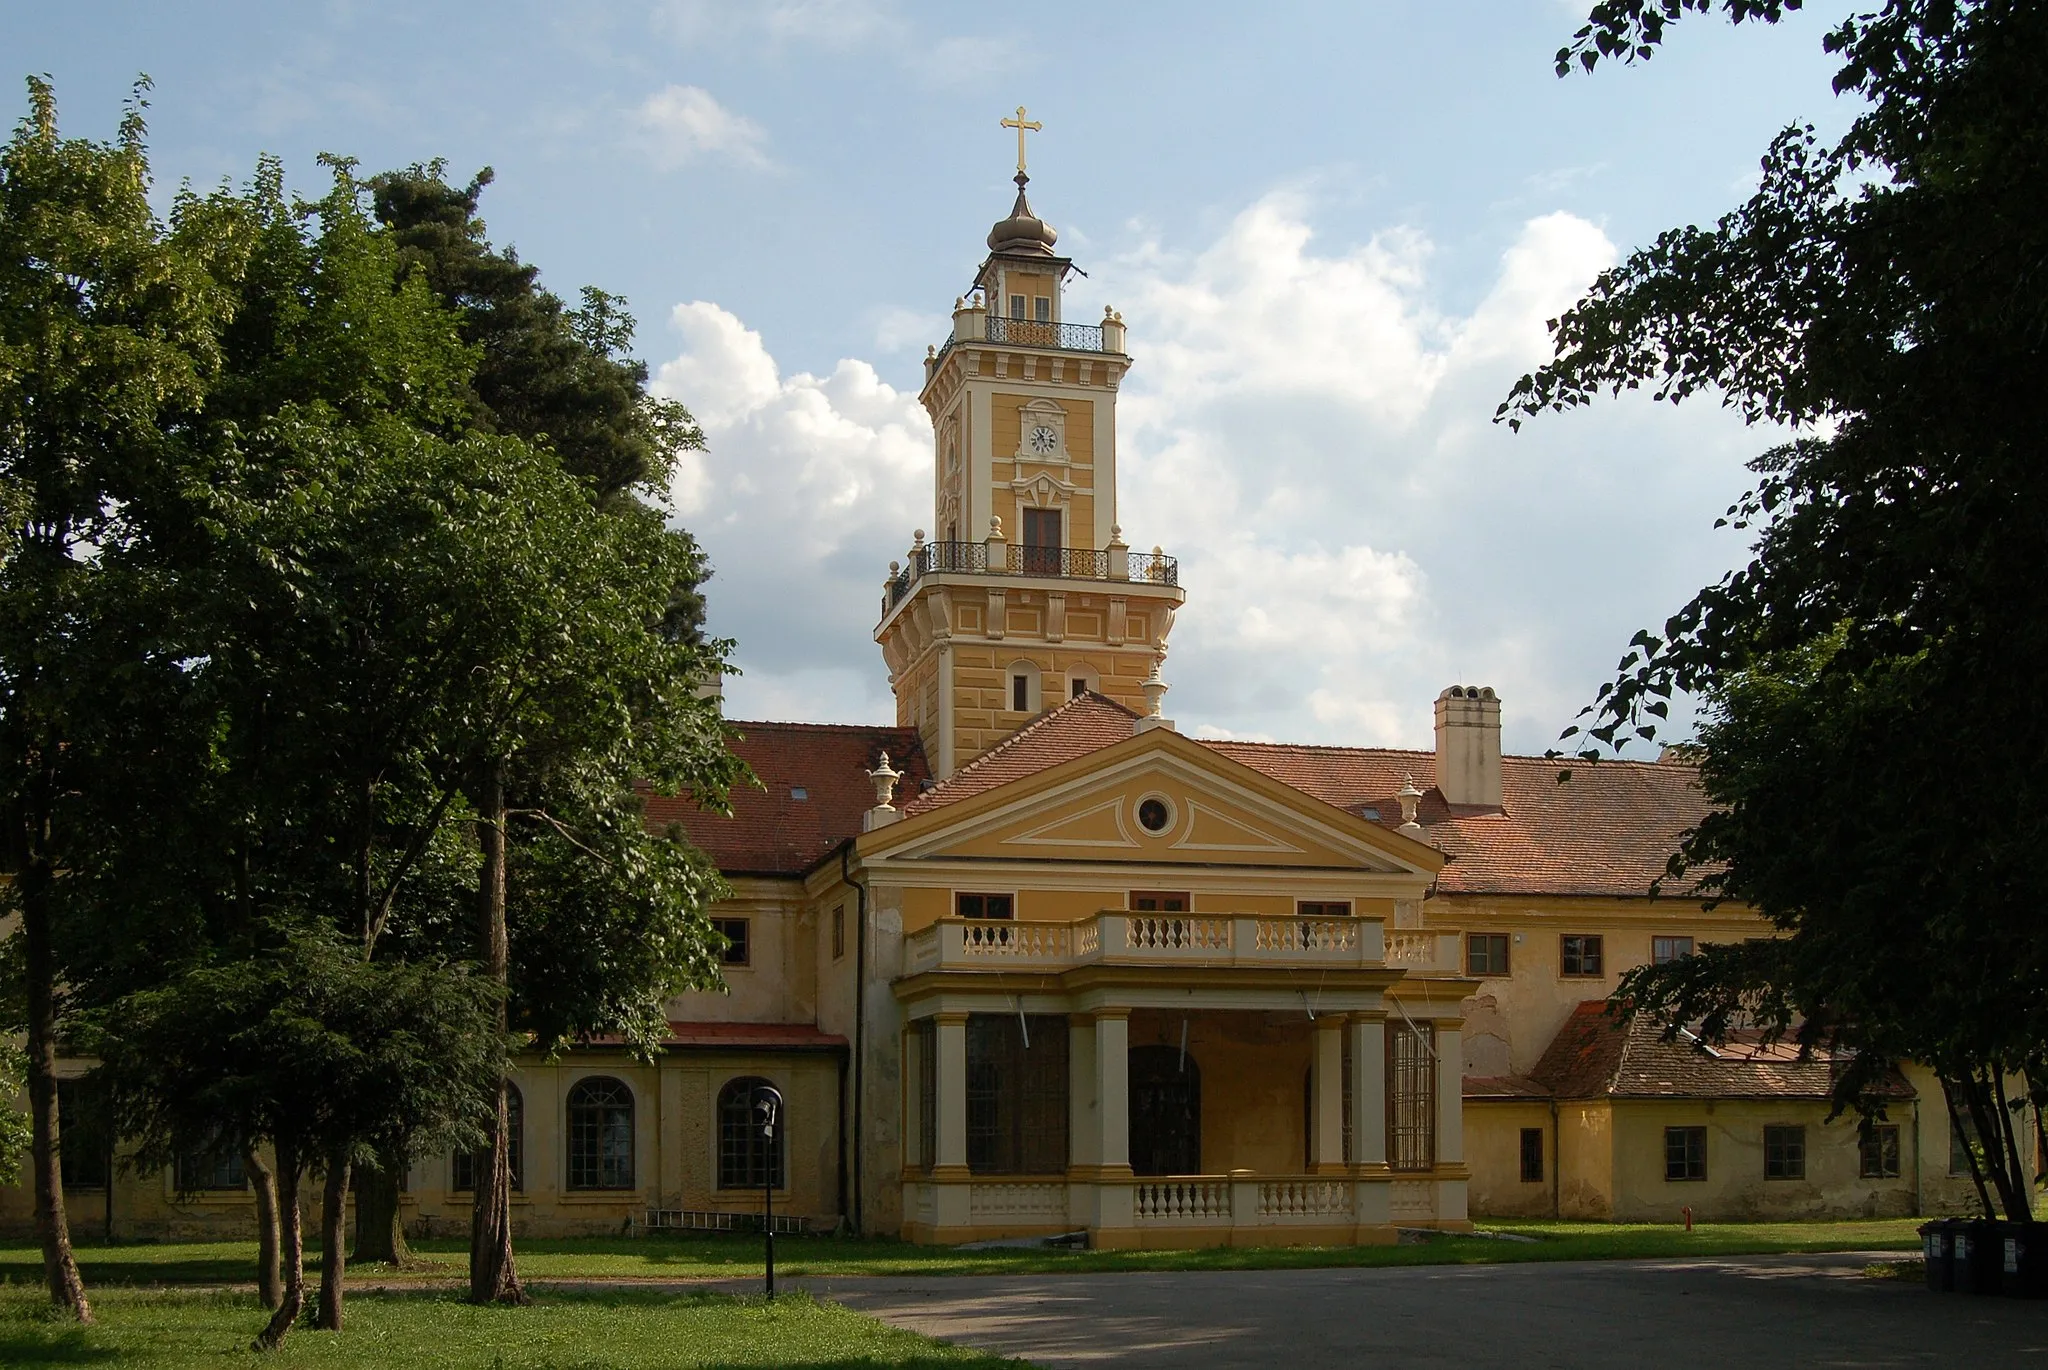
(1745,1312)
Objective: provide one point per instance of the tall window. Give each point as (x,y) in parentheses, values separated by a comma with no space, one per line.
(1785,1153)
(1043,307)
(465,1166)
(737,951)
(1581,955)
(83,1142)
(1016,306)
(1532,1155)
(1486,953)
(1663,949)
(600,1134)
(1877,1151)
(1042,542)
(1411,1096)
(1020,694)
(1685,1153)
(1016,1094)
(747,1159)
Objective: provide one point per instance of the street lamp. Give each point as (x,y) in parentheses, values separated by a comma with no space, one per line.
(768,1104)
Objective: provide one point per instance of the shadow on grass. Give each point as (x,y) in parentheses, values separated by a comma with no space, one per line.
(24,1348)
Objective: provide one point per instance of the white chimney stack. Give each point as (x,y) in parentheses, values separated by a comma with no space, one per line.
(1468,745)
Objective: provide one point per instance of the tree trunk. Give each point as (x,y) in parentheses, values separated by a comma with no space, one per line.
(33,889)
(293,1235)
(493,1273)
(269,1285)
(333,1243)
(380,1229)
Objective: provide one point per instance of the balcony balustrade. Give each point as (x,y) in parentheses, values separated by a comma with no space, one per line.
(1014,559)
(1115,937)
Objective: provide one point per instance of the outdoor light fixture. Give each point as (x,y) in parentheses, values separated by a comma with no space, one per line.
(768,1104)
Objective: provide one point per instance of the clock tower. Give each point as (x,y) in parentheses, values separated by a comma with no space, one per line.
(1024,594)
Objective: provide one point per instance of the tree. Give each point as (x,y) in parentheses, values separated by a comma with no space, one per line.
(109,327)
(1876,793)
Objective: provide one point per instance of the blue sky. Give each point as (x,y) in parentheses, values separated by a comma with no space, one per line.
(1335,231)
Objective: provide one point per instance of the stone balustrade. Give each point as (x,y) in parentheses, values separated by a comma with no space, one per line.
(1116,937)
(1426,951)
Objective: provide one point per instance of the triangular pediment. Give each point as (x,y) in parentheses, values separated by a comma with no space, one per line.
(1155,799)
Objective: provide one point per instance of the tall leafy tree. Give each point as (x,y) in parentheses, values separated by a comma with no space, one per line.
(1877,781)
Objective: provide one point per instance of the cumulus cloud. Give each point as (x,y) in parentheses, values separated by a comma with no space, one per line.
(679,124)
(1308,430)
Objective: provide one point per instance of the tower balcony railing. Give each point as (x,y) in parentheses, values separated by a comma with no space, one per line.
(1072,337)
(1015,559)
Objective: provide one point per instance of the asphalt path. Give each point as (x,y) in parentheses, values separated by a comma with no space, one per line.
(1748,1312)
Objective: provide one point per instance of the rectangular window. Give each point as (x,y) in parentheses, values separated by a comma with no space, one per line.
(1532,1155)
(1020,694)
(1581,955)
(1017,1094)
(1043,306)
(1685,1153)
(1784,1153)
(210,1169)
(984,906)
(466,1165)
(1663,949)
(1877,1151)
(1080,686)
(1323,908)
(1016,306)
(82,1140)
(1411,1097)
(1158,901)
(1486,953)
(734,931)
(839,932)
(1042,542)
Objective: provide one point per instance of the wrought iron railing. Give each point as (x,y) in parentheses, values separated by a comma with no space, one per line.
(1074,337)
(1074,563)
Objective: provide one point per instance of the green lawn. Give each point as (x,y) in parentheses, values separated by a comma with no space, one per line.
(620,1328)
(697,1257)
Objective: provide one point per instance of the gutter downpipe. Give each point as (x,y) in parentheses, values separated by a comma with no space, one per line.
(860,1024)
(1919,1207)
(1556,1162)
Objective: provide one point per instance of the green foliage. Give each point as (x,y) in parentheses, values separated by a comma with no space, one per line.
(13,1117)
(1877,793)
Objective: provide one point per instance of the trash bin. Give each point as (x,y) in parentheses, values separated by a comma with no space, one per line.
(1937,1247)
(2023,1260)
(1979,1257)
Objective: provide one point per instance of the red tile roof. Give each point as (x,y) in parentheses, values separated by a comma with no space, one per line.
(771,831)
(1606,831)
(1086,723)
(1595,1055)
(753,1036)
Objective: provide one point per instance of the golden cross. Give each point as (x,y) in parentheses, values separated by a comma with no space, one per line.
(1021,124)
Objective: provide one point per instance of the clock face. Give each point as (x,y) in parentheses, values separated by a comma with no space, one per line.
(1043,439)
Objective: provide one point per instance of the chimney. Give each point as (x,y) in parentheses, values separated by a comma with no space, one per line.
(1468,745)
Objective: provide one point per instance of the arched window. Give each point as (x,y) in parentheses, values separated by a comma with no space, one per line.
(600,1134)
(1022,690)
(466,1165)
(745,1158)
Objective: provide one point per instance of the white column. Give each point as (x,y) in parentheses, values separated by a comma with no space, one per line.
(1450,1094)
(1368,1090)
(1084,1128)
(1112,1088)
(1326,1097)
(952,1091)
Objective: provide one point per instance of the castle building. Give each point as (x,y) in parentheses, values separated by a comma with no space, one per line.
(1031,961)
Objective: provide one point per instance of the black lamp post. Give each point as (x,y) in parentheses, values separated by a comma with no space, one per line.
(768,1103)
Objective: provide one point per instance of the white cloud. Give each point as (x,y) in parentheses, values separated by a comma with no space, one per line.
(1308,430)
(679,124)
(825,23)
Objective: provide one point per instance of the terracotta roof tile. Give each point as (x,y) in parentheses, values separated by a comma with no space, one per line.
(754,1036)
(1086,723)
(1595,1055)
(1503,1087)
(772,831)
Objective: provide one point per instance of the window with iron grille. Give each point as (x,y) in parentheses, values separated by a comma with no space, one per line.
(927,1093)
(1411,1096)
(1486,953)
(467,1165)
(1685,1153)
(734,931)
(600,1134)
(215,1166)
(1016,1094)
(1532,1155)
(1784,1153)
(1664,949)
(984,906)
(83,1141)
(1581,955)
(746,1158)
(1877,1151)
